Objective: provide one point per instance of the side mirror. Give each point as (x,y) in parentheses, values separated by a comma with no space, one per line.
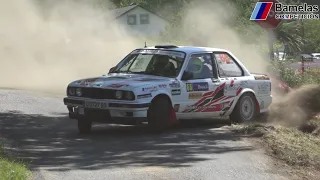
(187,75)
(112,69)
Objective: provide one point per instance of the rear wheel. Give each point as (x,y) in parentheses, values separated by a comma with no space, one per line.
(245,110)
(159,114)
(84,125)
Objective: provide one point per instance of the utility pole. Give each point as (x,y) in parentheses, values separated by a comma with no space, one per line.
(270,43)
(303,47)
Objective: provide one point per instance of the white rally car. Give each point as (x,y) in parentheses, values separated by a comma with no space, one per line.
(164,84)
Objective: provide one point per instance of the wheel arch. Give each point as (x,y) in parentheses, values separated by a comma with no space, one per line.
(162,95)
(243,92)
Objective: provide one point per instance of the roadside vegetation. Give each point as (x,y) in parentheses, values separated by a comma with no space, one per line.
(297,145)
(291,133)
(12,169)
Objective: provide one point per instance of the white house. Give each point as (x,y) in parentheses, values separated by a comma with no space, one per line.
(138,20)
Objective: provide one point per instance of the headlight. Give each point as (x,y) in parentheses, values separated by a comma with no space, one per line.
(129,95)
(119,94)
(71,91)
(78,92)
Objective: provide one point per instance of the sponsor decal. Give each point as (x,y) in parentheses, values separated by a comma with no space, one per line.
(118,85)
(201,107)
(232,89)
(175,84)
(195,95)
(157,51)
(151,88)
(162,86)
(176,107)
(175,92)
(142,96)
(264,88)
(200,86)
(208,99)
(262,77)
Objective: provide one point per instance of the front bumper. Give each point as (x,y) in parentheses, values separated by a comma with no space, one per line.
(77,108)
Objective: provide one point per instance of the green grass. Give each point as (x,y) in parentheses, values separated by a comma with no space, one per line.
(11,169)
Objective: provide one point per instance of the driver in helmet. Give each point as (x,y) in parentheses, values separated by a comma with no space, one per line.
(199,71)
(159,65)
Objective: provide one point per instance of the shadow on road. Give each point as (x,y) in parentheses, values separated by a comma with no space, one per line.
(54,143)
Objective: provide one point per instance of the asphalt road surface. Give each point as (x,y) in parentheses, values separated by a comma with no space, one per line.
(38,130)
(297,65)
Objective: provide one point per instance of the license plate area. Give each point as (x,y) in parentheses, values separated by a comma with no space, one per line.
(95,105)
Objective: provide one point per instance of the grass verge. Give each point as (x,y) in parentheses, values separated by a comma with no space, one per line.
(297,147)
(11,169)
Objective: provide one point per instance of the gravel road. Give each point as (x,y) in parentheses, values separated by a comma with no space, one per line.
(37,128)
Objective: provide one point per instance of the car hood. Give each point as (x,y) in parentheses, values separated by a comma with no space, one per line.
(121,81)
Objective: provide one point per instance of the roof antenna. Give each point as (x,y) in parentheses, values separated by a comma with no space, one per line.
(145,44)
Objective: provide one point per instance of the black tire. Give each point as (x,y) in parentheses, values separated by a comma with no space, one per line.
(84,125)
(247,101)
(159,115)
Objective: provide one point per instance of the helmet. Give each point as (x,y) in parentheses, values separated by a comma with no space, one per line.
(196,65)
(161,61)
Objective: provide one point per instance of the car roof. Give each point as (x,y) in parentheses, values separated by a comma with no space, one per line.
(187,49)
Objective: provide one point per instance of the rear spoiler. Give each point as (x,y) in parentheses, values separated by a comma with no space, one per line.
(275,78)
(260,76)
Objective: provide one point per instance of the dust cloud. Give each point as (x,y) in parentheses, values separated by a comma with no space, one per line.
(45,49)
(210,24)
(297,107)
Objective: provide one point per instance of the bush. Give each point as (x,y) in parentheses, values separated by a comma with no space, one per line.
(296,78)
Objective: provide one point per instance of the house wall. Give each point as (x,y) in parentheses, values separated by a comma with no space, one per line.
(155,26)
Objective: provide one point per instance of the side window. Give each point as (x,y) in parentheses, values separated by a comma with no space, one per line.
(200,65)
(227,66)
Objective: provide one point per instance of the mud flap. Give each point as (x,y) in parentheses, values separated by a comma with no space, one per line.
(173,118)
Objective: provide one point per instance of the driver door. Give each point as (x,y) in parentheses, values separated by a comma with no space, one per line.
(202,92)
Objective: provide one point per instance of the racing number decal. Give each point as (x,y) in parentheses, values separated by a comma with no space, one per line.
(189,87)
(198,86)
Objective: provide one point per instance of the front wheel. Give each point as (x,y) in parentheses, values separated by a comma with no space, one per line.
(159,114)
(245,110)
(84,125)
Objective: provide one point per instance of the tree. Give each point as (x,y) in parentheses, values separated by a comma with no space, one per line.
(288,33)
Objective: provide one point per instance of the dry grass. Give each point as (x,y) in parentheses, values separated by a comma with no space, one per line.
(297,147)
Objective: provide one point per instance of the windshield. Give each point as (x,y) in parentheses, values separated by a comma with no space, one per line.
(153,62)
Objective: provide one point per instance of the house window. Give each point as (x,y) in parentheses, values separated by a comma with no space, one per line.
(144,18)
(132,19)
